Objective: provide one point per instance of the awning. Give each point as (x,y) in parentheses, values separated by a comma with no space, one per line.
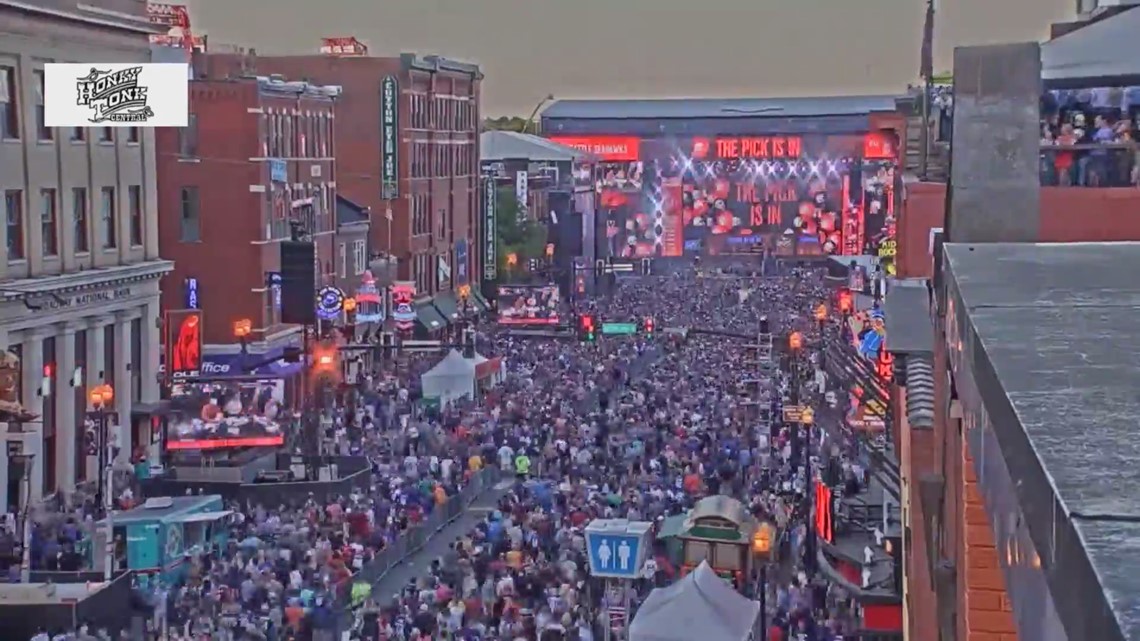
(202,517)
(447,305)
(478,299)
(429,317)
(1105,53)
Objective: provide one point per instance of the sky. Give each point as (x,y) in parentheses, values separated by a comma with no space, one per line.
(642,48)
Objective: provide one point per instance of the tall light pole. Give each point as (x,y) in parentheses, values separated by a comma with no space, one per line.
(530,120)
(101,398)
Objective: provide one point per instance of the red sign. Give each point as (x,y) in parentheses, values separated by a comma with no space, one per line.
(217,444)
(604,147)
(168,15)
(343,46)
(184,342)
(759,147)
(879,145)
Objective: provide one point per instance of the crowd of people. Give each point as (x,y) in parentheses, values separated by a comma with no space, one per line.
(1088,136)
(630,427)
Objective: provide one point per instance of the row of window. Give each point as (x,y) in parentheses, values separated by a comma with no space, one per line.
(442,160)
(300,135)
(48,208)
(282,208)
(442,113)
(10,113)
(359,258)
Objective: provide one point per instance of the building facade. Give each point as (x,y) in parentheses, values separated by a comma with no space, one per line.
(255,163)
(353,249)
(79,286)
(431,217)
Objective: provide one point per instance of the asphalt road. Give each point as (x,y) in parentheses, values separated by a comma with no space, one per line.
(416,565)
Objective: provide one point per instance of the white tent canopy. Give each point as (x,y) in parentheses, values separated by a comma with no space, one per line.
(451,379)
(699,606)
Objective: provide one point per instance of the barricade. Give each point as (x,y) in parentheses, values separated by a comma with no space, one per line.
(416,537)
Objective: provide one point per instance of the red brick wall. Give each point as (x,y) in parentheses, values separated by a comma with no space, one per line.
(1068,214)
(988,612)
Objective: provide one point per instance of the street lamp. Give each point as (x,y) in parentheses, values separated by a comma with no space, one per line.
(530,120)
(795,341)
(762,550)
(807,418)
(101,398)
(242,329)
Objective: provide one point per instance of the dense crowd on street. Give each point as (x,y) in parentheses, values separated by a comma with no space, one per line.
(633,427)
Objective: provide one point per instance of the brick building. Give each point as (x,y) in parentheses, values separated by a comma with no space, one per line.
(258,154)
(434,212)
(972,571)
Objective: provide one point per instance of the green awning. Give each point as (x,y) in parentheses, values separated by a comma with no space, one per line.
(447,306)
(429,317)
(478,299)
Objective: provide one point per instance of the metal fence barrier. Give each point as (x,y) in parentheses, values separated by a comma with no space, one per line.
(416,536)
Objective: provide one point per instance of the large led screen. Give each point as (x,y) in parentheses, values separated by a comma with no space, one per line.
(213,416)
(522,305)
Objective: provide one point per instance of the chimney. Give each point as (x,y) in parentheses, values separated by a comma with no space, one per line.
(994,193)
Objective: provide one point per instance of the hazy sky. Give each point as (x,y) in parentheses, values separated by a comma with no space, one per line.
(642,48)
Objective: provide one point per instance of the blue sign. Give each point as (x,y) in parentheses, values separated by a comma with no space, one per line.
(617,547)
(273,282)
(330,301)
(277,171)
(191,289)
(461,261)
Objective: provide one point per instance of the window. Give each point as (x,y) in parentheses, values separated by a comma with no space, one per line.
(78,134)
(49,228)
(14,217)
(287,137)
(191,231)
(342,254)
(9,105)
(107,134)
(43,132)
(133,135)
(188,138)
(359,256)
(135,207)
(109,218)
(79,219)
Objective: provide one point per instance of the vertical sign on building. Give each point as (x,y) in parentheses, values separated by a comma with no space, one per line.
(490,250)
(390,138)
(522,193)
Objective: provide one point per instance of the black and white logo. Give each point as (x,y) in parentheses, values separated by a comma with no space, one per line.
(114,96)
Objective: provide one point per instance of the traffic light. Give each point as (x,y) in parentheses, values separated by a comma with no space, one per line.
(648,324)
(90,439)
(587,328)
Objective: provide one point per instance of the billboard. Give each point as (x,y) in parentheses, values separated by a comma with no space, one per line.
(206,416)
(183,337)
(529,305)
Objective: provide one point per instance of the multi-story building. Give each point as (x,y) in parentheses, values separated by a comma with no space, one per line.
(255,164)
(79,283)
(430,218)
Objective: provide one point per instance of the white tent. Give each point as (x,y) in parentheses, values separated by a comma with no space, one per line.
(701,605)
(450,380)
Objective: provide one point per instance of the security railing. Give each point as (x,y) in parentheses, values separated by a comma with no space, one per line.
(1090,165)
(416,536)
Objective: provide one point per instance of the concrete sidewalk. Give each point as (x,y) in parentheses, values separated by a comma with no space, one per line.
(417,564)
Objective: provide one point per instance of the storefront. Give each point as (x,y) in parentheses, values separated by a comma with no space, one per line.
(71,333)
